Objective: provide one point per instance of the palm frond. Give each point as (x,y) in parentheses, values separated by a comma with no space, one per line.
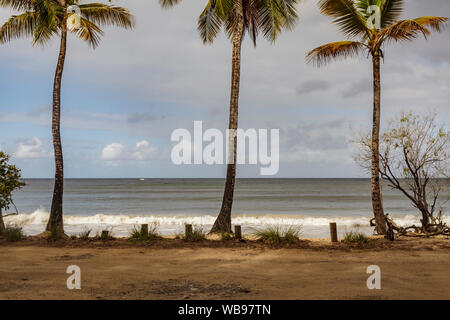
(346,15)
(44,32)
(407,30)
(288,10)
(104,15)
(209,23)
(89,32)
(274,15)
(251,19)
(168,3)
(390,12)
(343,49)
(18,26)
(18,5)
(435,23)
(223,7)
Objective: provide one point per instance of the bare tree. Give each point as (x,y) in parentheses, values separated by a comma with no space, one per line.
(414,159)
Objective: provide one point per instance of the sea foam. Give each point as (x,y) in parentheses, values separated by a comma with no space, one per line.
(312,227)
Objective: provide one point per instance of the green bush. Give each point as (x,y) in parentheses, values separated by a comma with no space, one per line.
(355,237)
(279,234)
(13,233)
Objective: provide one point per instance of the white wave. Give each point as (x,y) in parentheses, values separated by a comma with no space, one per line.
(34,223)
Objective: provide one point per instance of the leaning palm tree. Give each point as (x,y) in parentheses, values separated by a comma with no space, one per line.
(238,17)
(42,20)
(374,23)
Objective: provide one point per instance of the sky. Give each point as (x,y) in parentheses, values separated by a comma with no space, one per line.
(122,101)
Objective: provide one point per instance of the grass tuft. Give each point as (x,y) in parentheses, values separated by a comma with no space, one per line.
(279,234)
(137,233)
(104,235)
(197,235)
(226,236)
(355,237)
(13,233)
(85,234)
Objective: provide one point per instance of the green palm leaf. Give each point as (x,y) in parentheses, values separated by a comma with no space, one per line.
(18,5)
(209,23)
(18,26)
(89,32)
(105,15)
(346,15)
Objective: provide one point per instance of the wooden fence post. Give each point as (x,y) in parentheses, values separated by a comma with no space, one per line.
(333,232)
(144,229)
(238,232)
(105,235)
(188,231)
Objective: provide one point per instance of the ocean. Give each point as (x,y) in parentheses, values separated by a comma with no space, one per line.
(120,204)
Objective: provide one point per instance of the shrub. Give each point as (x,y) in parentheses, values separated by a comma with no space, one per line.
(355,237)
(13,233)
(278,234)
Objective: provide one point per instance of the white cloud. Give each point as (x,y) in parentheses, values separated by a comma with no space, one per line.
(115,152)
(31,149)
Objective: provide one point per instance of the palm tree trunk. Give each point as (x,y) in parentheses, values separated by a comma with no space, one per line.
(2,224)
(223,221)
(377,204)
(55,222)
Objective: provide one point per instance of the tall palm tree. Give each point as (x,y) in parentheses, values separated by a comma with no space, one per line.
(374,23)
(238,17)
(42,20)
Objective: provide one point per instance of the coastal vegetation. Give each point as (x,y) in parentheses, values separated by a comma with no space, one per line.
(144,233)
(12,233)
(355,237)
(10,181)
(415,160)
(279,234)
(196,234)
(374,23)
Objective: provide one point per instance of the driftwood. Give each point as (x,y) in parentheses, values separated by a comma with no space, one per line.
(435,229)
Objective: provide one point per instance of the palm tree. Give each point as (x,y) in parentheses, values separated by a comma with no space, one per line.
(42,20)
(374,23)
(238,17)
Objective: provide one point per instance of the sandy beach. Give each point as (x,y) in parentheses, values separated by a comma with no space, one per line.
(410,269)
